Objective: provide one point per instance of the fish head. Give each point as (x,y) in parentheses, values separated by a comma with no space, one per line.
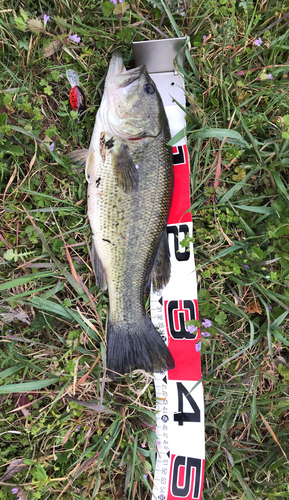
(133,108)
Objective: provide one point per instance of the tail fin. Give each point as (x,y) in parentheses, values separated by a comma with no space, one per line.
(136,345)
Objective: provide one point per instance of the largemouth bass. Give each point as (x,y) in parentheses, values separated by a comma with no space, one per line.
(129,175)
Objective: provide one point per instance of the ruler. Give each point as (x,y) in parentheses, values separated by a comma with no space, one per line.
(180,429)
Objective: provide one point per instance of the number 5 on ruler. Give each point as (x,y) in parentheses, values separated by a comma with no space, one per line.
(188,472)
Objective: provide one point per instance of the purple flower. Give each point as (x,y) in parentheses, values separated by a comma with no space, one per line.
(75,38)
(143,444)
(113,1)
(145,476)
(206,334)
(14,491)
(158,442)
(198,346)
(270,77)
(46,18)
(258,42)
(207,323)
(204,38)
(51,147)
(246,266)
(192,329)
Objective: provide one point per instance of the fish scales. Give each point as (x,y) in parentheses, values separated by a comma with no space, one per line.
(129,171)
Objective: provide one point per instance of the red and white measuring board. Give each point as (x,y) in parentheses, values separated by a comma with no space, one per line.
(180,420)
(180,428)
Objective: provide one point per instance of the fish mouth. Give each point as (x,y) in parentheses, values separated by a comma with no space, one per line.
(118,74)
(116,66)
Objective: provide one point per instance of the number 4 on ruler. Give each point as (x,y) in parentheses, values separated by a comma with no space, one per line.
(182,416)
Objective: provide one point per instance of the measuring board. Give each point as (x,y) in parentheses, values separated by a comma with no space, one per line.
(180,429)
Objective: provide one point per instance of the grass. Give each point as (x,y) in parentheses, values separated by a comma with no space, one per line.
(66,430)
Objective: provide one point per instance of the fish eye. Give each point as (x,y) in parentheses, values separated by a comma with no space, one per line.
(149,89)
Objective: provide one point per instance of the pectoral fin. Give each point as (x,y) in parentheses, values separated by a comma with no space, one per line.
(79,156)
(124,169)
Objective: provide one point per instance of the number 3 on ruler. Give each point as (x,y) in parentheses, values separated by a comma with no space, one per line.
(182,416)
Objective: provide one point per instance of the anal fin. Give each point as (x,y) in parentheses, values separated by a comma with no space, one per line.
(98,269)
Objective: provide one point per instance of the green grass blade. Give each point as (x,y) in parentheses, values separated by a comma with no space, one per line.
(225,252)
(280,185)
(28,386)
(256,210)
(254,409)
(14,369)
(207,133)
(269,333)
(237,187)
(248,492)
(51,307)
(172,21)
(134,460)
(32,277)
(252,140)
(277,322)
(280,337)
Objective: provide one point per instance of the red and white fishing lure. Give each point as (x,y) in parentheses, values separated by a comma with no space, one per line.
(76,95)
